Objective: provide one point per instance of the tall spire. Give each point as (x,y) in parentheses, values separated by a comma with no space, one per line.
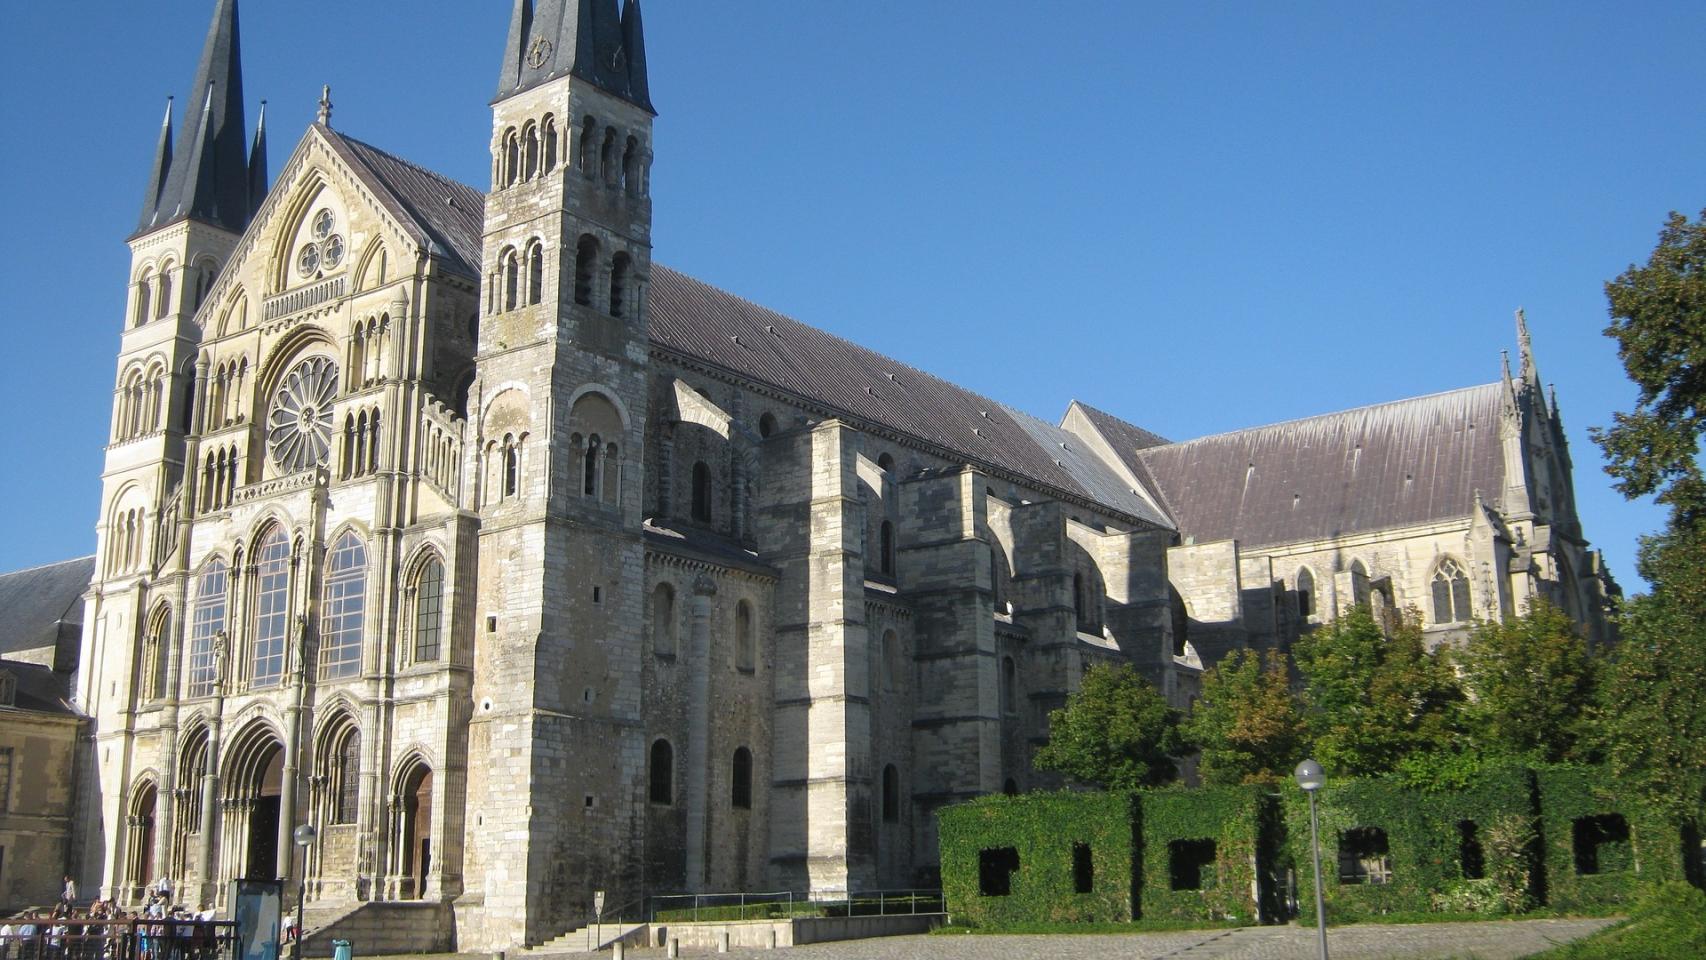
(1530,374)
(162,169)
(258,163)
(211,181)
(587,39)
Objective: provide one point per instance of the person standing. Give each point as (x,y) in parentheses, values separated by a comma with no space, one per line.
(68,895)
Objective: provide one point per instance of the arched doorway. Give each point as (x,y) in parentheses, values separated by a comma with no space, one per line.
(415,850)
(140,853)
(254,785)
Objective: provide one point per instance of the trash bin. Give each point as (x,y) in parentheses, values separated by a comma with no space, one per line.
(341,950)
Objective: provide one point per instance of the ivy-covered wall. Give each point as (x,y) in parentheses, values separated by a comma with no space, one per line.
(1601,845)
(1044,850)
(1202,852)
(1424,836)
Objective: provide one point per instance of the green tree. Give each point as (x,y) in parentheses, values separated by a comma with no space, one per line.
(1247,722)
(1116,732)
(1372,700)
(1531,682)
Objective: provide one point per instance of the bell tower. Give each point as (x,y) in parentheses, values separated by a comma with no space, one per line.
(558,417)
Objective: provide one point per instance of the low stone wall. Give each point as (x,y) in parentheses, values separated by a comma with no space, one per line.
(756,934)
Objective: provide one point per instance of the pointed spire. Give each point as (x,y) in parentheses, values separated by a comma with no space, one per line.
(162,169)
(209,181)
(1530,376)
(324,118)
(588,39)
(258,164)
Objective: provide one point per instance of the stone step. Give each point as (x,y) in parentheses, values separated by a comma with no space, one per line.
(381,928)
(591,938)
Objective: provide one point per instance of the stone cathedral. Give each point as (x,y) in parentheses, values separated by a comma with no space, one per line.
(520,566)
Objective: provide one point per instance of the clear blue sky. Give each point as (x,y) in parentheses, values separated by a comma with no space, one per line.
(1200,216)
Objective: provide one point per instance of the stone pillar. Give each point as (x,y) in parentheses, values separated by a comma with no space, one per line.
(697,796)
(207,879)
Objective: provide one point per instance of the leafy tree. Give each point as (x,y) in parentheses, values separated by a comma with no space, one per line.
(1658,318)
(1532,683)
(1117,731)
(1247,723)
(1372,700)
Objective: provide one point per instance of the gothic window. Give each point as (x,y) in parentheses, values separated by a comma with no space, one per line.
(207,622)
(272,609)
(154,657)
(1009,686)
(662,773)
(142,300)
(663,620)
(767,425)
(1359,583)
(619,284)
(511,158)
(535,273)
(745,645)
(586,260)
(373,443)
(550,136)
(607,157)
(511,466)
(429,610)
(1305,593)
(891,794)
(511,278)
(886,545)
(740,790)
(343,609)
(1450,593)
(701,492)
(162,301)
(349,779)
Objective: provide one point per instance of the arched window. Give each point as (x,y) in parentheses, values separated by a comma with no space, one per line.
(272,609)
(343,609)
(619,284)
(511,158)
(888,659)
(550,128)
(586,260)
(885,463)
(206,623)
(143,300)
(891,794)
(1450,593)
(162,302)
(607,157)
(740,780)
(511,278)
(1305,593)
(512,466)
(589,466)
(767,425)
(663,620)
(886,545)
(154,656)
(339,766)
(1359,583)
(1009,686)
(530,153)
(745,647)
(429,610)
(589,140)
(701,492)
(663,773)
(631,167)
(535,274)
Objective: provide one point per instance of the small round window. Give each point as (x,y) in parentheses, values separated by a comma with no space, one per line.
(332,251)
(323,223)
(308,261)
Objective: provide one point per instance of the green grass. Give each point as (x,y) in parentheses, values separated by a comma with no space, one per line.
(1668,924)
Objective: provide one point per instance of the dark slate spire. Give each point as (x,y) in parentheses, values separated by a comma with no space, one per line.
(258,164)
(583,38)
(210,181)
(162,168)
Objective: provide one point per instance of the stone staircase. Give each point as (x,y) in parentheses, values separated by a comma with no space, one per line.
(592,938)
(380,928)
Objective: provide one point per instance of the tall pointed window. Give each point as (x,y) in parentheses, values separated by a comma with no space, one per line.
(619,285)
(701,492)
(143,300)
(589,466)
(535,274)
(745,647)
(272,609)
(206,623)
(740,788)
(347,768)
(586,260)
(1450,593)
(154,656)
(429,610)
(550,127)
(663,773)
(886,545)
(162,302)
(511,278)
(343,609)
(1305,593)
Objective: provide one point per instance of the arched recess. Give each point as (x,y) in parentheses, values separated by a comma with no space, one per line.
(596,438)
(156,647)
(373,270)
(1449,589)
(187,812)
(140,835)
(424,595)
(254,781)
(412,852)
(294,217)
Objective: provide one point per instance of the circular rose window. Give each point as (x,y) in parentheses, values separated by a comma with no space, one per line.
(299,426)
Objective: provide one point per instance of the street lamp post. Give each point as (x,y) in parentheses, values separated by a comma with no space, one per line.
(1309,777)
(304,838)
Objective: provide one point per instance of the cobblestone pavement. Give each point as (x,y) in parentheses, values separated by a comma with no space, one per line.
(1504,940)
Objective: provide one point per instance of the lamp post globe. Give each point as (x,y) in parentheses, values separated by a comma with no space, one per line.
(1308,774)
(1310,779)
(304,836)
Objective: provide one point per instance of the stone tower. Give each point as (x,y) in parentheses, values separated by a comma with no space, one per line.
(557,422)
(201,194)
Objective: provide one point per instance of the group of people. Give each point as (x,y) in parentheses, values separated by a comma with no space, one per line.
(162,930)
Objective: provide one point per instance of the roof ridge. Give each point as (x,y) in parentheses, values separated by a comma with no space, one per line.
(443,178)
(1098,411)
(44,566)
(1323,416)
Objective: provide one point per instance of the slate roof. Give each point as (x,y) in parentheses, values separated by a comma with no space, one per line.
(1390,465)
(443,212)
(40,689)
(698,321)
(35,602)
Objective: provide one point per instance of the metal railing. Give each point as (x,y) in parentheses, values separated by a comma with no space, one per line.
(784,905)
(44,938)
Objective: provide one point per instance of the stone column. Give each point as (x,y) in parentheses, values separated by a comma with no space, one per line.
(696,794)
(210,777)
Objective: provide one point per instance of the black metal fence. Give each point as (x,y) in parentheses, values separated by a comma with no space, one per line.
(44,938)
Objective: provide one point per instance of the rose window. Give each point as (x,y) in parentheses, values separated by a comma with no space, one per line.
(299,427)
(325,249)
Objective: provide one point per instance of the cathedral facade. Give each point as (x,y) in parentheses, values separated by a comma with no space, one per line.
(520,567)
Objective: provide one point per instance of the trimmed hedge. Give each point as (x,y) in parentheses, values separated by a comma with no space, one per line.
(1235,821)
(1649,853)
(1424,842)
(1042,831)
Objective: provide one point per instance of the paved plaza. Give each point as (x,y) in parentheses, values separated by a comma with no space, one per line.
(1504,940)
